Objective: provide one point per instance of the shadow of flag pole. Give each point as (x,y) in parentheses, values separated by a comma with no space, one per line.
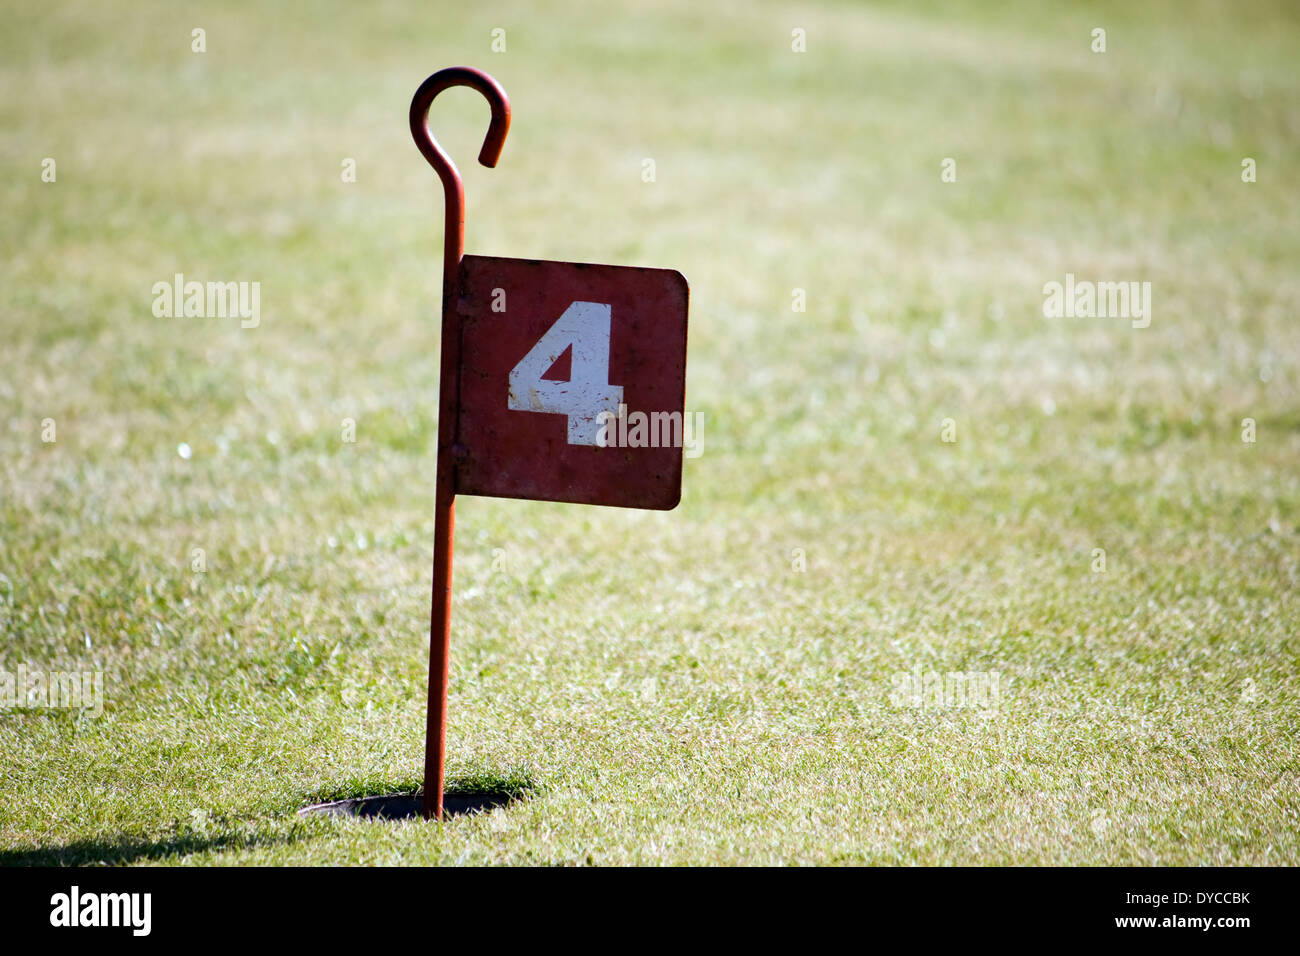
(445,496)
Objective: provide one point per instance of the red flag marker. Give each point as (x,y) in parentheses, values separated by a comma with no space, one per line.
(560,381)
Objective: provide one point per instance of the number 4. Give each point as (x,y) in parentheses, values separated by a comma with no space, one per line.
(587,393)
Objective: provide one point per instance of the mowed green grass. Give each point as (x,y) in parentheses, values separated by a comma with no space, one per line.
(661,687)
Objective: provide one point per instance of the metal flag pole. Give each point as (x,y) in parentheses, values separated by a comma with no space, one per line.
(449,391)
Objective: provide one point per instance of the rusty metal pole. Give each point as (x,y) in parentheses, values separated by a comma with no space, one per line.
(449,391)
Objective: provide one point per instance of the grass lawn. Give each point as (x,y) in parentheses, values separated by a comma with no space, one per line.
(719,683)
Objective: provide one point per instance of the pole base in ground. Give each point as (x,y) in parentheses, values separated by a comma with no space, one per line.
(408,806)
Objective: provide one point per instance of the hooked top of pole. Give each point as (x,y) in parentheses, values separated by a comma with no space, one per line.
(496,134)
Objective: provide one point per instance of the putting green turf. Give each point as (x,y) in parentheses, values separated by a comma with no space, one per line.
(714,684)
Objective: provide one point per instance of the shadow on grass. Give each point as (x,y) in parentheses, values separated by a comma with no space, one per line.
(464,795)
(461,797)
(123,850)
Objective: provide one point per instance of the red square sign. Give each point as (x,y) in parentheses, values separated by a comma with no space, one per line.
(572,382)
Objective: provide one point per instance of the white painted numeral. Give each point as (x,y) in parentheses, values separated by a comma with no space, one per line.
(587,393)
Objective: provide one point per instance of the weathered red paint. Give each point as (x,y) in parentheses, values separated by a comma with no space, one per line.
(506,453)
